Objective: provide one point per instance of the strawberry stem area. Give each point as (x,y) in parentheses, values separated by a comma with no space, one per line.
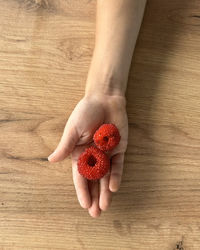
(91,161)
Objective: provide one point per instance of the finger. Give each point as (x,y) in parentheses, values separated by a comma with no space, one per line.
(81,187)
(116,172)
(105,194)
(66,145)
(94,210)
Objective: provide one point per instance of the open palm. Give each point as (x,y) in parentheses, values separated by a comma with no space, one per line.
(89,114)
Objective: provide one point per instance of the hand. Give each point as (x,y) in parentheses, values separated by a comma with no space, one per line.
(89,114)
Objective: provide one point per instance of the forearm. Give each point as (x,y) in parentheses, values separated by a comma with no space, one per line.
(117,26)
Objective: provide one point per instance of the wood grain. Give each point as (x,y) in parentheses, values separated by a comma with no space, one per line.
(45,51)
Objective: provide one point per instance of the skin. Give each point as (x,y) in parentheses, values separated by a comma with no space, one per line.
(117,26)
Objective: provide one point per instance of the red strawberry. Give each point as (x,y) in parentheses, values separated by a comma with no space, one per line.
(93,163)
(107,137)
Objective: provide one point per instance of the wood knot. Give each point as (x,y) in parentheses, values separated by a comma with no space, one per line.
(76,49)
(185,16)
(36,4)
(179,245)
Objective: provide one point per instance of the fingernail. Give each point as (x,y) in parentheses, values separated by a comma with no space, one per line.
(50,156)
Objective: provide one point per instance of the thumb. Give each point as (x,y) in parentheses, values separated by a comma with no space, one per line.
(66,145)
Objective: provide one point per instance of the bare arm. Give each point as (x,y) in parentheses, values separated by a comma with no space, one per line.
(117,26)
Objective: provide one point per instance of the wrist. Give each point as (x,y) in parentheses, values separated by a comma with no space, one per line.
(104,100)
(104,85)
(106,77)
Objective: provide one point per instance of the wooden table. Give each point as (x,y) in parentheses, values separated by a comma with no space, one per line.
(45,51)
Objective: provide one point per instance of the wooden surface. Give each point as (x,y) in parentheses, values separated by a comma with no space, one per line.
(45,51)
